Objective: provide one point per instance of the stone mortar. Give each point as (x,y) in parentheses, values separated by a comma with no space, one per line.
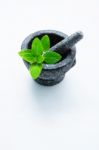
(53,73)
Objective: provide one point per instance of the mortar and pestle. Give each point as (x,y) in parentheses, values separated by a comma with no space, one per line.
(61,43)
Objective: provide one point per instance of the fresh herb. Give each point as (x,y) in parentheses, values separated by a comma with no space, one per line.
(40,52)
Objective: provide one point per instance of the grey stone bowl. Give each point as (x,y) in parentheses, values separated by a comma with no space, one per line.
(54,73)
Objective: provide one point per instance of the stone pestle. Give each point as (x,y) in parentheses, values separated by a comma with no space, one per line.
(64,45)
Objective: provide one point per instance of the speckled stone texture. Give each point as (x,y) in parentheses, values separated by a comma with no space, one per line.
(54,73)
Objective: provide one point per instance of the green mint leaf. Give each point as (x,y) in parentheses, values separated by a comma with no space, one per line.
(45,42)
(27,55)
(35,70)
(36,48)
(40,59)
(52,57)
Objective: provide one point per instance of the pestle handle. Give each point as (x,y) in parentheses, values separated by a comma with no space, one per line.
(67,43)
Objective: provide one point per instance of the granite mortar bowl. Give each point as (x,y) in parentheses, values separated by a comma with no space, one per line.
(52,73)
